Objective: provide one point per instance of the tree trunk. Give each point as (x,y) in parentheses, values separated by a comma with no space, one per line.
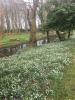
(7,23)
(31,16)
(48,37)
(5,98)
(33,32)
(58,34)
(69,34)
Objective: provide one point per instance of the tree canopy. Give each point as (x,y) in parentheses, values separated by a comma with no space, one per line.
(62,18)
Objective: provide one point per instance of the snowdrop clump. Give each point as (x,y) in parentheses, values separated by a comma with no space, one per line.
(32,74)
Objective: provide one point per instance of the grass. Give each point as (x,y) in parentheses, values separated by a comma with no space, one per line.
(69,75)
(41,73)
(34,74)
(14,39)
(40,36)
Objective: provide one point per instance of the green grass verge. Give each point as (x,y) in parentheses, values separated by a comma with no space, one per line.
(13,39)
(10,40)
(69,74)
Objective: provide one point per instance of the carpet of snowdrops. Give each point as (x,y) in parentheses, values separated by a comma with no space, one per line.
(34,73)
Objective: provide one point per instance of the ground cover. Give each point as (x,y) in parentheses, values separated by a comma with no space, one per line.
(69,74)
(13,39)
(35,73)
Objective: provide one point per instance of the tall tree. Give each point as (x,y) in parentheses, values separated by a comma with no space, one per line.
(32,21)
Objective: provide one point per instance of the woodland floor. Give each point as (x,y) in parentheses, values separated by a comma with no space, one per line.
(69,75)
(68,82)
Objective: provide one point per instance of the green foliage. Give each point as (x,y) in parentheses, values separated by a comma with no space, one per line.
(33,74)
(10,40)
(62,18)
(14,39)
